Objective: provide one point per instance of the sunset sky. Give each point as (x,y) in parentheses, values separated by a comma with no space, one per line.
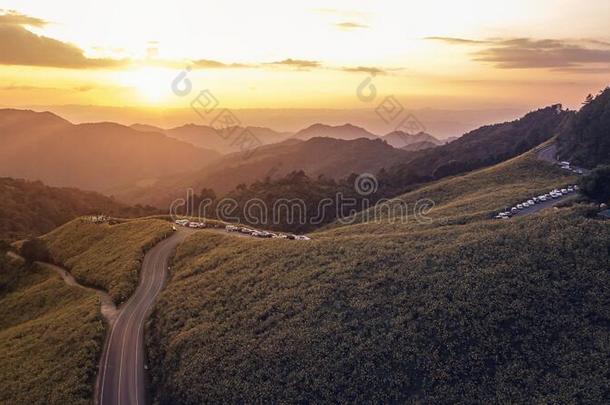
(313,54)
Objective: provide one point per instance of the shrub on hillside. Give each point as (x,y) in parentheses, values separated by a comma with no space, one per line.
(596,185)
(35,250)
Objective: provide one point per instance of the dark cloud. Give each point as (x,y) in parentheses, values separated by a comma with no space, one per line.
(83,88)
(364,69)
(455,41)
(351,25)
(523,53)
(18,46)
(297,63)
(213,64)
(584,69)
(12,17)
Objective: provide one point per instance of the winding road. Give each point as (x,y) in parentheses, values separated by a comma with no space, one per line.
(547,154)
(121,379)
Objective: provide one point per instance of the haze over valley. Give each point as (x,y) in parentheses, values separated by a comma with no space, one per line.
(324,202)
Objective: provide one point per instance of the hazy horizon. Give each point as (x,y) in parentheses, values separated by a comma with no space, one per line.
(439,123)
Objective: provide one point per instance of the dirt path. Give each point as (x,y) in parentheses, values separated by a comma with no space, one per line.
(107,308)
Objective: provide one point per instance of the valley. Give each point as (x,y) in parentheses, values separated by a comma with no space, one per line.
(420,296)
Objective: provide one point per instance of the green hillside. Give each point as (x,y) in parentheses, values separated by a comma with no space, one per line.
(474,196)
(463,309)
(51,337)
(106,256)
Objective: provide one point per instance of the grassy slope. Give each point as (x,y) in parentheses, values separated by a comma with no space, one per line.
(457,200)
(51,336)
(472,310)
(106,256)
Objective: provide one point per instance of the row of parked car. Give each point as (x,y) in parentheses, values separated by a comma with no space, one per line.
(241,229)
(264,234)
(566,166)
(554,194)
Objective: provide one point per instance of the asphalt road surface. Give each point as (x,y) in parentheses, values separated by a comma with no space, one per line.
(121,378)
(547,154)
(542,205)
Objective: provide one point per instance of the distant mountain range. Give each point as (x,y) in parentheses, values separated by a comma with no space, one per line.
(482,147)
(421,145)
(95,156)
(345,132)
(329,157)
(400,139)
(208,137)
(149,165)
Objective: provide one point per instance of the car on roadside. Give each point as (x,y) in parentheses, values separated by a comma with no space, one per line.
(520,206)
(513,210)
(531,202)
(564,191)
(231,228)
(302,237)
